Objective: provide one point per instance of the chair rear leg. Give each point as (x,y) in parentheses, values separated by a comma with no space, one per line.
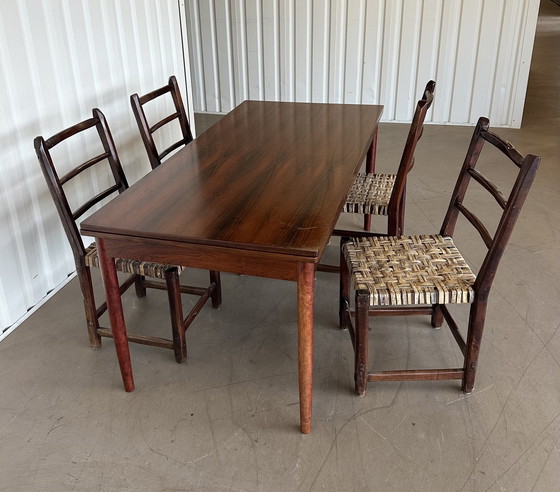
(176,312)
(86,286)
(361,341)
(395,221)
(370,169)
(474,338)
(401,214)
(139,286)
(217,293)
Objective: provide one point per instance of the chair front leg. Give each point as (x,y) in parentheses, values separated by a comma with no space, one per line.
(344,297)
(176,312)
(437,316)
(474,337)
(361,341)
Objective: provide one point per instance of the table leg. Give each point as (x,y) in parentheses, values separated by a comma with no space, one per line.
(116,316)
(371,153)
(305,297)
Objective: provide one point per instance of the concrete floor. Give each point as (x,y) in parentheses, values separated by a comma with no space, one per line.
(227,419)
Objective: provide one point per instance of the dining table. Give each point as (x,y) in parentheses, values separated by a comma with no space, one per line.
(258,193)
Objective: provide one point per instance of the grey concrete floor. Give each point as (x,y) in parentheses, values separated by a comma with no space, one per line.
(227,419)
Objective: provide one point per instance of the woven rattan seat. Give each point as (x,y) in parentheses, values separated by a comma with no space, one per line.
(370,194)
(401,275)
(409,270)
(135,267)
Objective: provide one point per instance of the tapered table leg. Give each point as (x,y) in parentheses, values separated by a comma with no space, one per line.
(116,316)
(371,154)
(305,297)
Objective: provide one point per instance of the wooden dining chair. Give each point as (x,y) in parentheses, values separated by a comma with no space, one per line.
(101,173)
(177,117)
(384,194)
(422,274)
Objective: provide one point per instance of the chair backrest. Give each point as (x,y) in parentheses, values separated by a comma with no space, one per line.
(147,131)
(526,170)
(407,159)
(56,184)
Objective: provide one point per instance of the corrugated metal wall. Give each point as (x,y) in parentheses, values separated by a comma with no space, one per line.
(365,51)
(59,59)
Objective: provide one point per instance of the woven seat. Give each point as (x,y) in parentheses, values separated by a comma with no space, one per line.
(135,267)
(409,270)
(384,194)
(370,194)
(96,133)
(412,275)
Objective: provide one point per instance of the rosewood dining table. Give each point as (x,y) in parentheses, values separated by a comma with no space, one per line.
(258,193)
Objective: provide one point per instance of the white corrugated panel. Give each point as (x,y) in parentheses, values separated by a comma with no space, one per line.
(59,59)
(365,51)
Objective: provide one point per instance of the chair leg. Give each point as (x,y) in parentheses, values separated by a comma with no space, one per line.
(367,222)
(176,311)
(401,213)
(395,221)
(344,297)
(217,293)
(370,169)
(140,287)
(474,337)
(361,342)
(437,316)
(84,277)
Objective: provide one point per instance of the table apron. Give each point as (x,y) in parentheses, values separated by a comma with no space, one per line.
(208,257)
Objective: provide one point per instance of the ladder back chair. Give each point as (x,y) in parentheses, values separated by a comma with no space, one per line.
(384,194)
(421,274)
(95,131)
(148,130)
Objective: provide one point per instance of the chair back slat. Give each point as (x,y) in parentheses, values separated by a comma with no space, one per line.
(478,225)
(163,122)
(93,201)
(86,165)
(527,168)
(55,184)
(173,147)
(154,94)
(491,187)
(506,147)
(69,132)
(147,130)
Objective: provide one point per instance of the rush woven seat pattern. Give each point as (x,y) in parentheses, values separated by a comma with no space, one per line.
(370,194)
(136,267)
(409,270)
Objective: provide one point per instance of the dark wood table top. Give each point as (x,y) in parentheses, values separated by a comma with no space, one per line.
(269,177)
(258,193)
